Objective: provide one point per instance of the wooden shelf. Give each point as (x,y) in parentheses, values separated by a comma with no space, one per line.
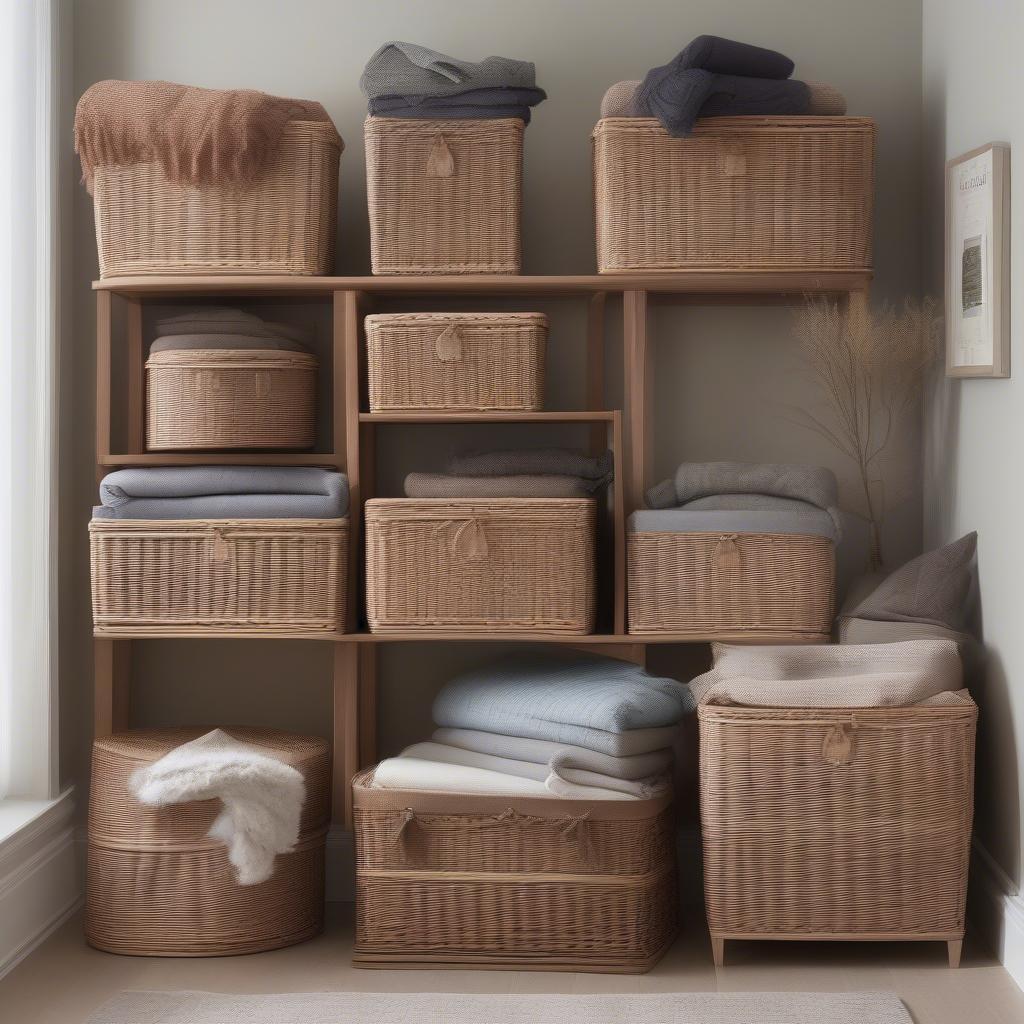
(599,416)
(688,282)
(222,459)
(584,639)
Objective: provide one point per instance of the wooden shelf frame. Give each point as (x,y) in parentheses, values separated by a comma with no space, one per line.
(352,440)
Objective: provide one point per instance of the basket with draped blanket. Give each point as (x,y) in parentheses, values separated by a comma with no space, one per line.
(482,565)
(159,885)
(455,361)
(444,196)
(512,882)
(740,193)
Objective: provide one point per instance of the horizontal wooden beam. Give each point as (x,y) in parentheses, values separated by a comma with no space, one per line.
(599,416)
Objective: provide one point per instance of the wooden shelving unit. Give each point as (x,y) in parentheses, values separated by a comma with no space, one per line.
(351,442)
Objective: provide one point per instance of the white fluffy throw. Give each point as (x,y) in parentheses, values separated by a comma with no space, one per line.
(262,797)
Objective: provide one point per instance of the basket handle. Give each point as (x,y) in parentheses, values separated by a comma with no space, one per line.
(448,346)
(262,383)
(469,541)
(727,552)
(440,162)
(837,746)
(732,160)
(221,548)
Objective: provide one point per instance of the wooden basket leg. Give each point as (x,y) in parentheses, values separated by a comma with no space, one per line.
(718,951)
(954,948)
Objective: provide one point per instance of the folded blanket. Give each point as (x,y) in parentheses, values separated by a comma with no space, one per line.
(224,320)
(441,485)
(619,100)
(564,782)
(557,756)
(219,137)
(262,797)
(407,69)
(215,342)
(474,103)
(846,676)
(223,492)
(532,462)
(597,703)
(811,522)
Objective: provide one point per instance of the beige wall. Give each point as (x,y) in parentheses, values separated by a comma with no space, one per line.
(974,428)
(726,376)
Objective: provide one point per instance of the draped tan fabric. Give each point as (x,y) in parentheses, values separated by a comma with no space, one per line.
(198,136)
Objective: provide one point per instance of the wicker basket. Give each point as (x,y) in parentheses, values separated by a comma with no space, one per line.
(282,223)
(483,565)
(455,361)
(748,586)
(157,885)
(837,824)
(762,193)
(266,577)
(520,883)
(230,398)
(444,196)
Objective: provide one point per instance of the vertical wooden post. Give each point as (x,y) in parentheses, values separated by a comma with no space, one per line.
(367,705)
(346,412)
(345,733)
(595,367)
(638,378)
(111,685)
(103,370)
(136,379)
(618,529)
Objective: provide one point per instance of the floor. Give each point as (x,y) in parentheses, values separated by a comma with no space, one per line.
(64,980)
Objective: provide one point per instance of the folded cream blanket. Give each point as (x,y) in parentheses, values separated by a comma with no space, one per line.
(262,797)
(836,675)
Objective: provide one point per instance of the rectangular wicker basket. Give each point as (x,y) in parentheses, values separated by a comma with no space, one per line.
(281,223)
(230,398)
(444,196)
(837,823)
(748,586)
(265,577)
(518,883)
(456,361)
(488,565)
(752,193)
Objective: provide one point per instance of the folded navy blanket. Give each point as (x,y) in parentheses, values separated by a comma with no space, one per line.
(223,492)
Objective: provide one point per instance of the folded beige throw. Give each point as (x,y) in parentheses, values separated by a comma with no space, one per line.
(198,136)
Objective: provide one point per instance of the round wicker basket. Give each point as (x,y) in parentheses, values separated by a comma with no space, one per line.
(157,885)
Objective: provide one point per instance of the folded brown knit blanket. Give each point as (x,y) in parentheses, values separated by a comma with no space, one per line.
(198,136)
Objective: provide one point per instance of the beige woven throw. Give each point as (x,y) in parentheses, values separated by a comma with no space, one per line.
(198,136)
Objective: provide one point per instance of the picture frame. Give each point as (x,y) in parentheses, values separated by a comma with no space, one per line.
(977,244)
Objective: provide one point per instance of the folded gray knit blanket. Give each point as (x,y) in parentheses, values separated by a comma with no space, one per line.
(597,703)
(443,485)
(226,320)
(223,492)
(532,462)
(234,342)
(474,103)
(407,69)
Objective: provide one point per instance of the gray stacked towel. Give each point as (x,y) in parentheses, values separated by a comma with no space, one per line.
(223,492)
(224,327)
(521,473)
(409,80)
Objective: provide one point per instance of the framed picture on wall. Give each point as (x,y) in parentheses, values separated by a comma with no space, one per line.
(978,263)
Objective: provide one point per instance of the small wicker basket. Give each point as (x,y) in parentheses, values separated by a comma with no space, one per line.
(158,885)
(837,823)
(265,577)
(750,193)
(517,883)
(480,565)
(748,586)
(230,398)
(455,361)
(281,223)
(444,196)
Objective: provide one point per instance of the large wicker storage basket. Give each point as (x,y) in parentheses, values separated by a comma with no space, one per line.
(455,361)
(267,577)
(837,824)
(444,196)
(748,586)
(761,193)
(158,885)
(281,223)
(483,565)
(520,883)
(230,398)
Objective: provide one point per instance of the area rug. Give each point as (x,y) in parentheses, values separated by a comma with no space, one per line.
(454,1008)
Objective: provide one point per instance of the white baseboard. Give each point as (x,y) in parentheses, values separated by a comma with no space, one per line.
(996,910)
(341,867)
(40,882)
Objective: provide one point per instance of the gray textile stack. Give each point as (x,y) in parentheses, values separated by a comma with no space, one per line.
(520,473)
(221,327)
(409,80)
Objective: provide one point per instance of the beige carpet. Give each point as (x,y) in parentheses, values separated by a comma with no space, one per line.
(452,1008)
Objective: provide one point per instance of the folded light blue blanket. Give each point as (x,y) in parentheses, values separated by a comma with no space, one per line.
(223,492)
(597,703)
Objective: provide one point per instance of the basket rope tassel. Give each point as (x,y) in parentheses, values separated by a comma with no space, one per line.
(448,346)
(440,163)
(727,552)
(221,546)
(837,747)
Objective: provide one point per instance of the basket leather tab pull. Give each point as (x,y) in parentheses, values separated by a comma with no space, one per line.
(448,346)
(727,552)
(262,384)
(733,162)
(220,547)
(470,541)
(837,747)
(440,163)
